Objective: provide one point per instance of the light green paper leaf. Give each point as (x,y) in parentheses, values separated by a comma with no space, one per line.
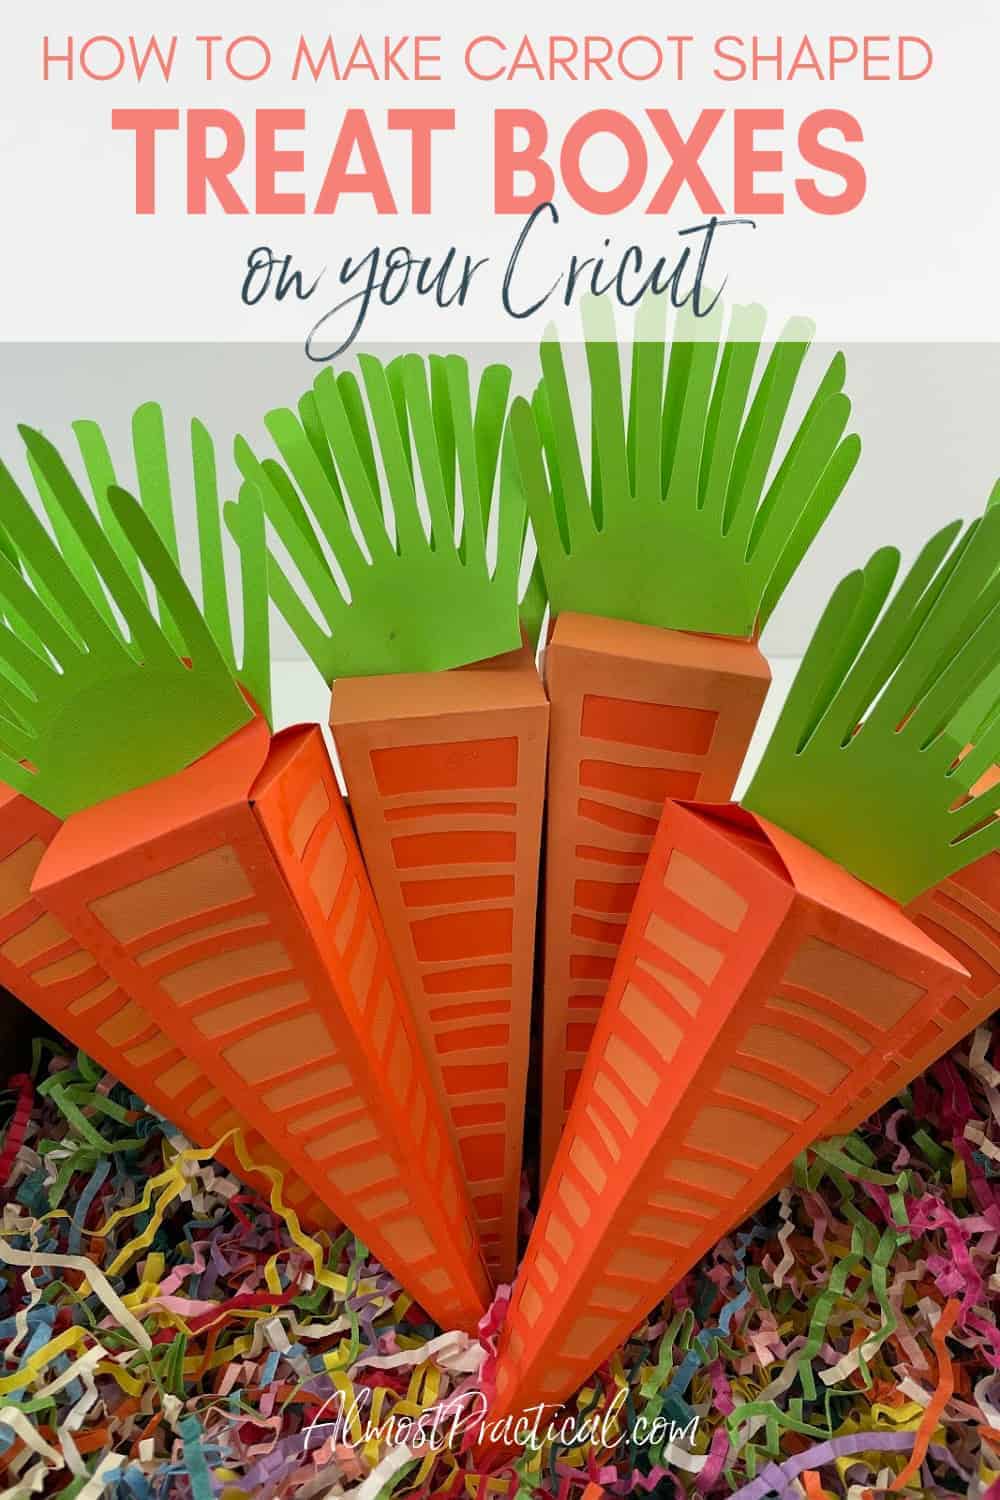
(255,673)
(409,597)
(870,760)
(157,488)
(674,523)
(98,714)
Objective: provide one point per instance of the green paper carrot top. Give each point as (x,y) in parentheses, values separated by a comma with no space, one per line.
(403,519)
(99,694)
(879,757)
(691,516)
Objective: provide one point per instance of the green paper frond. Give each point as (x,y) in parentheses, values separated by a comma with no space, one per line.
(398,505)
(95,697)
(156,487)
(893,720)
(685,516)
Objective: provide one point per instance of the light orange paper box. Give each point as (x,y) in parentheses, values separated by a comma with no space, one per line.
(758,988)
(667,529)
(770,979)
(447,776)
(639,714)
(439,719)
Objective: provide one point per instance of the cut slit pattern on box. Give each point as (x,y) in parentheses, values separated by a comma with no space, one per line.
(446,797)
(639,715)
(247,922)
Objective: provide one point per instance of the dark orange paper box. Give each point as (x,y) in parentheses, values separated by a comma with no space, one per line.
(46,968)
(231,902)
(446,775)
(639,714)
(759,988)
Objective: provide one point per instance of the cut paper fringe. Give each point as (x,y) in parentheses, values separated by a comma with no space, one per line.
(166,1333)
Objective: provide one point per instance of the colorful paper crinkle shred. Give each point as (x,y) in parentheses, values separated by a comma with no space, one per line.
(166,1332)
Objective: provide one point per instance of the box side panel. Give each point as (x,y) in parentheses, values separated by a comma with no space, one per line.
(201,928)
(448,809)
(962,914)
(307,826)
(637,716)
(639,1173)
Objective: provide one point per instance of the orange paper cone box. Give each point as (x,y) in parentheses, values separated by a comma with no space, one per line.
(47,969)
(212,873)
(662,565)
(231,902)
(438,715)
(768,976)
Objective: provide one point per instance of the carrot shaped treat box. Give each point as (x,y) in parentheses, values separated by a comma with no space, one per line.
(210,870)
(438,714)
(769,970)
(662,565)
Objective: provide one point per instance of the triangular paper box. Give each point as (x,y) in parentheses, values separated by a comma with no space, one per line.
(638,714)
(230,901)
(46,968)
(447,775)
(758,988)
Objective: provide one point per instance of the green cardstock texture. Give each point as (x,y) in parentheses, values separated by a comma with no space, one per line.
(872,761)
(401,515)
(95,698)
(685,517)
(156,490)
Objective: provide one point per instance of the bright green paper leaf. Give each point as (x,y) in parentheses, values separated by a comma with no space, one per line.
(685,517)
(870,762)
(395,593)
(157,487)
(91,711)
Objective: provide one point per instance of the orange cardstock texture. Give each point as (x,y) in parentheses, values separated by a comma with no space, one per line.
(639,714)
(47,969)
(759,987)
(962,914)
(231,901)
(446,776)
